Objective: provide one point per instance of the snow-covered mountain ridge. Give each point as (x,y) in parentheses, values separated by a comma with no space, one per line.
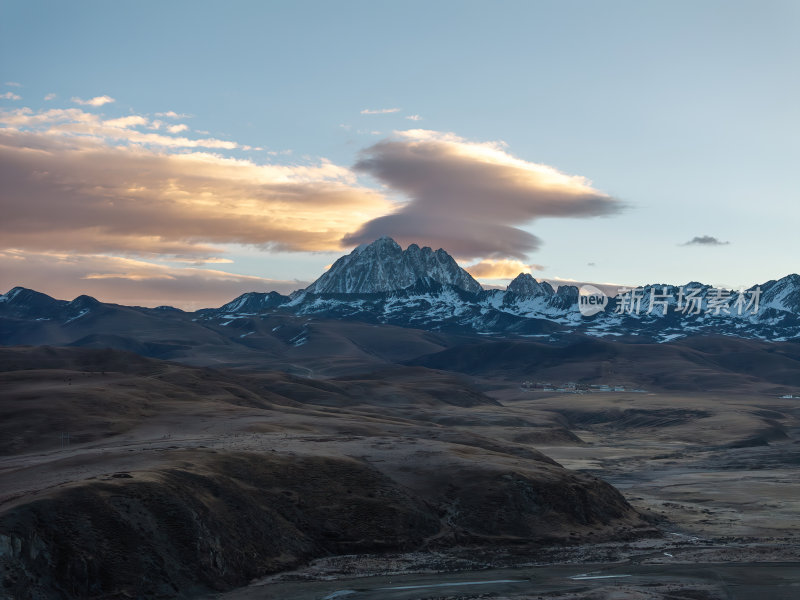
(426,289)
(418,287)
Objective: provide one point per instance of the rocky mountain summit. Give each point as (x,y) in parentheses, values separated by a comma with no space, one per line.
(525,285)
(383,266)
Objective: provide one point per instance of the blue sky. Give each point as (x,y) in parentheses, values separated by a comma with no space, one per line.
(684,114)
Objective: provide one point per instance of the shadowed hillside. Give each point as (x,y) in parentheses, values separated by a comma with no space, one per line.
(177,480)
(695,364)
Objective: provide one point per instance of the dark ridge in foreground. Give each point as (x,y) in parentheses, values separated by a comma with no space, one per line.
(216,521)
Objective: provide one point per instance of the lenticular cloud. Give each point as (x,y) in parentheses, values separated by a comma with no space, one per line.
(470,198)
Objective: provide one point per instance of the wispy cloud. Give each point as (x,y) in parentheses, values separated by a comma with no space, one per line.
(705,240)
(414,118)
(610,289)
(501,269)
(177,128)
(124,122)
(171,114)
(13,84)
(131,281)
(10,96)
(50,97)
(71,122)
(470,197)
(379,111)
(96,101)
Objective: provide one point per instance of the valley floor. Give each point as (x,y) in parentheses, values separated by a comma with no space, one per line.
(591,581)
(720,481)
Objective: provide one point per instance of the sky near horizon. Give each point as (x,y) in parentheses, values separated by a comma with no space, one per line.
(185,152)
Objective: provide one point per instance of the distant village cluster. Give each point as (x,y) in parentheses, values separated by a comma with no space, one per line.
(577,388)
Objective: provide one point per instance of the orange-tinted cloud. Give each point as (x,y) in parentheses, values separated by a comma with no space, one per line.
(127,281)
(75,182)
(500,269)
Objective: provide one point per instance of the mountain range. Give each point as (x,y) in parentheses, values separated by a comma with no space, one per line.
(380,283)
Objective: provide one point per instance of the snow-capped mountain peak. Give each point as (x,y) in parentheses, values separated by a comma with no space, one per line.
(525,285)
(383,266)
(783,294)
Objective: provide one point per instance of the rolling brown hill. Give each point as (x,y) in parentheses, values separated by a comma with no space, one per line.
(179,480)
